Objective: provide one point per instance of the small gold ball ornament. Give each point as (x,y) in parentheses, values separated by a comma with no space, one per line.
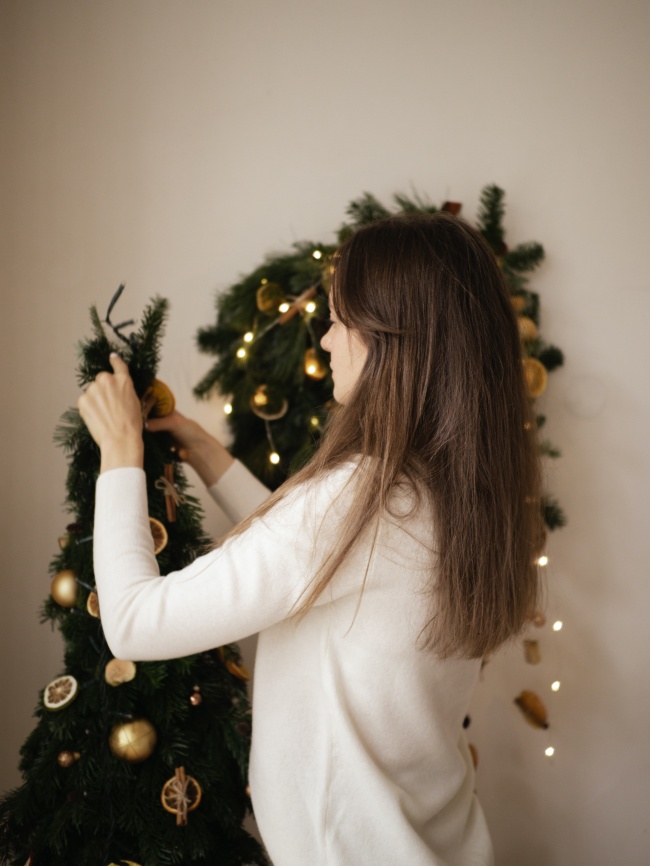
(536,376)
(67,759)
(315,367)
(269,297)
(64,588)
(133,741)
(518,302)
(527,328)
(196,698)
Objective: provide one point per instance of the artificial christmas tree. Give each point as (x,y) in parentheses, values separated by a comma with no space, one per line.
(130,762)
(267,341)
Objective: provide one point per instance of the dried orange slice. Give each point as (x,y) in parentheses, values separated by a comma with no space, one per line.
(238,670)
(117,672)
(159,534)
(92,604)
(60,692)
(181,793)
(527,328)
(161,397)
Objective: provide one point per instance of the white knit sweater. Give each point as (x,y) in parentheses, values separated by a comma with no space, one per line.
(359,755)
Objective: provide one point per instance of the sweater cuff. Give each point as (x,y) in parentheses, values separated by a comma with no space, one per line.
(238,492)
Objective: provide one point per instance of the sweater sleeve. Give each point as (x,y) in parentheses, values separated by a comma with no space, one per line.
(238,492)
(248,584)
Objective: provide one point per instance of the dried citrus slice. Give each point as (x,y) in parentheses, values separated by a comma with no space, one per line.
(117,672)
(60,692)
(181,793)
(92,604)
(238,669)
(527,328)
(161,397)
(159,534)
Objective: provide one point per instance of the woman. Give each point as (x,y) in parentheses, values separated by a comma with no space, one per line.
(377,577)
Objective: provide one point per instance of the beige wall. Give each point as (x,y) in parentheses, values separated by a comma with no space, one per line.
(173,144)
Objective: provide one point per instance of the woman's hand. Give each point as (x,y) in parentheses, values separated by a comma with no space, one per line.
(112,412)
(205,454)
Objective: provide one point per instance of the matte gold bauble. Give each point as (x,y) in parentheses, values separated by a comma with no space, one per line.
(64,588)
(518,302)
(118,672)
(527,328)
(315,368)
(268,403)
(536,376)
(133,741)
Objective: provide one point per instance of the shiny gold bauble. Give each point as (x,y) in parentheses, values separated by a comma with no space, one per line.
(268,403)
(315,368)
(133,741)
(64,588)
(269,297)
(159,534)
(527,328)
(118,672)
(67,759)
(536,376)
(196,698)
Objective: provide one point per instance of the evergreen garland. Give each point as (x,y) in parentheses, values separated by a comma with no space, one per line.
(261,352)
(80,803)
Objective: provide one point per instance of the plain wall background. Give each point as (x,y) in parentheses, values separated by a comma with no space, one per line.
(172,145)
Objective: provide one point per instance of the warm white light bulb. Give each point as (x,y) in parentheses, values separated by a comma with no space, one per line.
(317,254)
(241,353)
(543,560)
(228,408)
(555,686)
(274,457)
(549,752)
(557,625)
(314,420)
(248,337)
(283,307)
(310,307)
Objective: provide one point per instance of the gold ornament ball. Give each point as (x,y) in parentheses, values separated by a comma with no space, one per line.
(518,302)
(315,368)
(67,759)
(269,297)
(536,376)
(196,698)
(527,328)
(133,741)
(64,588)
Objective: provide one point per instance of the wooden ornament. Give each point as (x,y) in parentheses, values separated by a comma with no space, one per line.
(532,652)
(268,404)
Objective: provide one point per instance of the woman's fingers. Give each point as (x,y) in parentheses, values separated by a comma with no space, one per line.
(118,365)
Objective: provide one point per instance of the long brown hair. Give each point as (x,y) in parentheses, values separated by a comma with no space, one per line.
(441,402)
